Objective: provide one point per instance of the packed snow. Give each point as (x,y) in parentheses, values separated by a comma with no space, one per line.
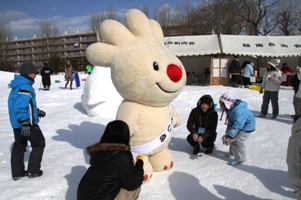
(68,130)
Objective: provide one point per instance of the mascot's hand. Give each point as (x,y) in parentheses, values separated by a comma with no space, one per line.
(139,157)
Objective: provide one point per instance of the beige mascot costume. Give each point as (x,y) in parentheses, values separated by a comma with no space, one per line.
(148,76)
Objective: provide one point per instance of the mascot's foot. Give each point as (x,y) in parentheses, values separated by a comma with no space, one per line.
(161,161)
(148,170)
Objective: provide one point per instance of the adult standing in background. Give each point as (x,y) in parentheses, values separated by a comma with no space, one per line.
(271,81)
(248,71)
(297,96)
(46,73)
(235,71)
(68,74)
(287,71)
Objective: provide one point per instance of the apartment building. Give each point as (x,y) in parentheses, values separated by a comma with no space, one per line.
(38,50)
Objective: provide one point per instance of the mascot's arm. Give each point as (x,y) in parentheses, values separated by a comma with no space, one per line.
(129,112)
(176,119)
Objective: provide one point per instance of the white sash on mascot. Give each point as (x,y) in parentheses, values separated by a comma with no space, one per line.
(149,147)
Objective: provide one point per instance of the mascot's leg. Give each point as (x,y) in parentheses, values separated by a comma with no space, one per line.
(161,161)
(148,170)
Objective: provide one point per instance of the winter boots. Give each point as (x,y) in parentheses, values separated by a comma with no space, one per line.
(32,175)
(196,148)
(209,150)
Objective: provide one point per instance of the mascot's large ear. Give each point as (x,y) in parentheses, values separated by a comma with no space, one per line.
(113,32)
(140,26)
(157,29)
(100,54)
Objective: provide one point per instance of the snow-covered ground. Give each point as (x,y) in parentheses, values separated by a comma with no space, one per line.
(68,131)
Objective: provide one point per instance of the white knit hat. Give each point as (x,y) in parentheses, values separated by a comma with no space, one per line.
(274,62)
(228,99)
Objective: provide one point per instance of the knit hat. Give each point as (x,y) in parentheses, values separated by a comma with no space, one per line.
(274,62)
(228,99)
(27,68)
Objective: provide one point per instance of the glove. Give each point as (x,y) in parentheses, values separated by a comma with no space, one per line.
(25,130)
(41,113)
(261,90)
(139,157)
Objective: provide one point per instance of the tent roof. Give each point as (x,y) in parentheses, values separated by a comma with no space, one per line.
(193,45)
(269,46)
(266,46)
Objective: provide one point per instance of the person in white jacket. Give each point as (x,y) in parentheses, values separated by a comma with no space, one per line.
(293,158)
(271,81)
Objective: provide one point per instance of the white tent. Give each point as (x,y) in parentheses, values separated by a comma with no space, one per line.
(193,45)
(265,46)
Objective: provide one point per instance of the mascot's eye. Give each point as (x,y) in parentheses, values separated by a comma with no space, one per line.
(156,66)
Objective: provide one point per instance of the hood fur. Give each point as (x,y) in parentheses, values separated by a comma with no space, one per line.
(107,147)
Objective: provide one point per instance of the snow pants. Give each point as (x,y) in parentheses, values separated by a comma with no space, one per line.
(235,80)
(37,141)
(129,195)
(267,97)
(246,81)
(238,148)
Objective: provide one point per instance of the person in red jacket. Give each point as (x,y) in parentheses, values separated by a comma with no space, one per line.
(112,173)
(287,71)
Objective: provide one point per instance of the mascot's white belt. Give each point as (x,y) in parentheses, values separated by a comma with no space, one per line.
(149,147)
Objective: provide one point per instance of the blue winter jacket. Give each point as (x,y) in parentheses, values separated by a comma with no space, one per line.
(248,71)
(22,104)
(240,118)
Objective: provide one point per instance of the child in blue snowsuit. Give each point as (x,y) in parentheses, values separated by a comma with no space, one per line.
(241,123)
(24,118)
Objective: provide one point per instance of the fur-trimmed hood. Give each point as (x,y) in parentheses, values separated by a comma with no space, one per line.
(107,147)
(100,153)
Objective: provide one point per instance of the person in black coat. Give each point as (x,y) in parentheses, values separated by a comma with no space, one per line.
(46,73)
(235,71)
(201,124)
(112,173)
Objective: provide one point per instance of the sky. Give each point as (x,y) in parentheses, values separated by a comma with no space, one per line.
(68,130)
(23,17)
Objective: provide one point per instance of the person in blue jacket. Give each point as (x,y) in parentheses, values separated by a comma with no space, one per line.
(248,71)
(241,123)
(24,118)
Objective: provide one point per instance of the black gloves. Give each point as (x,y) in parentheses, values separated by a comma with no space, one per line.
(25,130)
(41,113)
(261,90)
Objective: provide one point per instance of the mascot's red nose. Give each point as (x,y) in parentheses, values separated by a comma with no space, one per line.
(174,72)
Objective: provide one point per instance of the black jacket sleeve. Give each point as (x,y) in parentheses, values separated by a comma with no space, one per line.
(130,175)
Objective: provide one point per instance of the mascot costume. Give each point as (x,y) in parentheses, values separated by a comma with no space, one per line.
(148,77)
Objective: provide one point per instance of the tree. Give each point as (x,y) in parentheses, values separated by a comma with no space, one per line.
(217,16)
(145,9)
(47,29)
(287,18)
(163,16)
(254,12)
(56,63)
(97,19)
(180,19)
(6,62)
